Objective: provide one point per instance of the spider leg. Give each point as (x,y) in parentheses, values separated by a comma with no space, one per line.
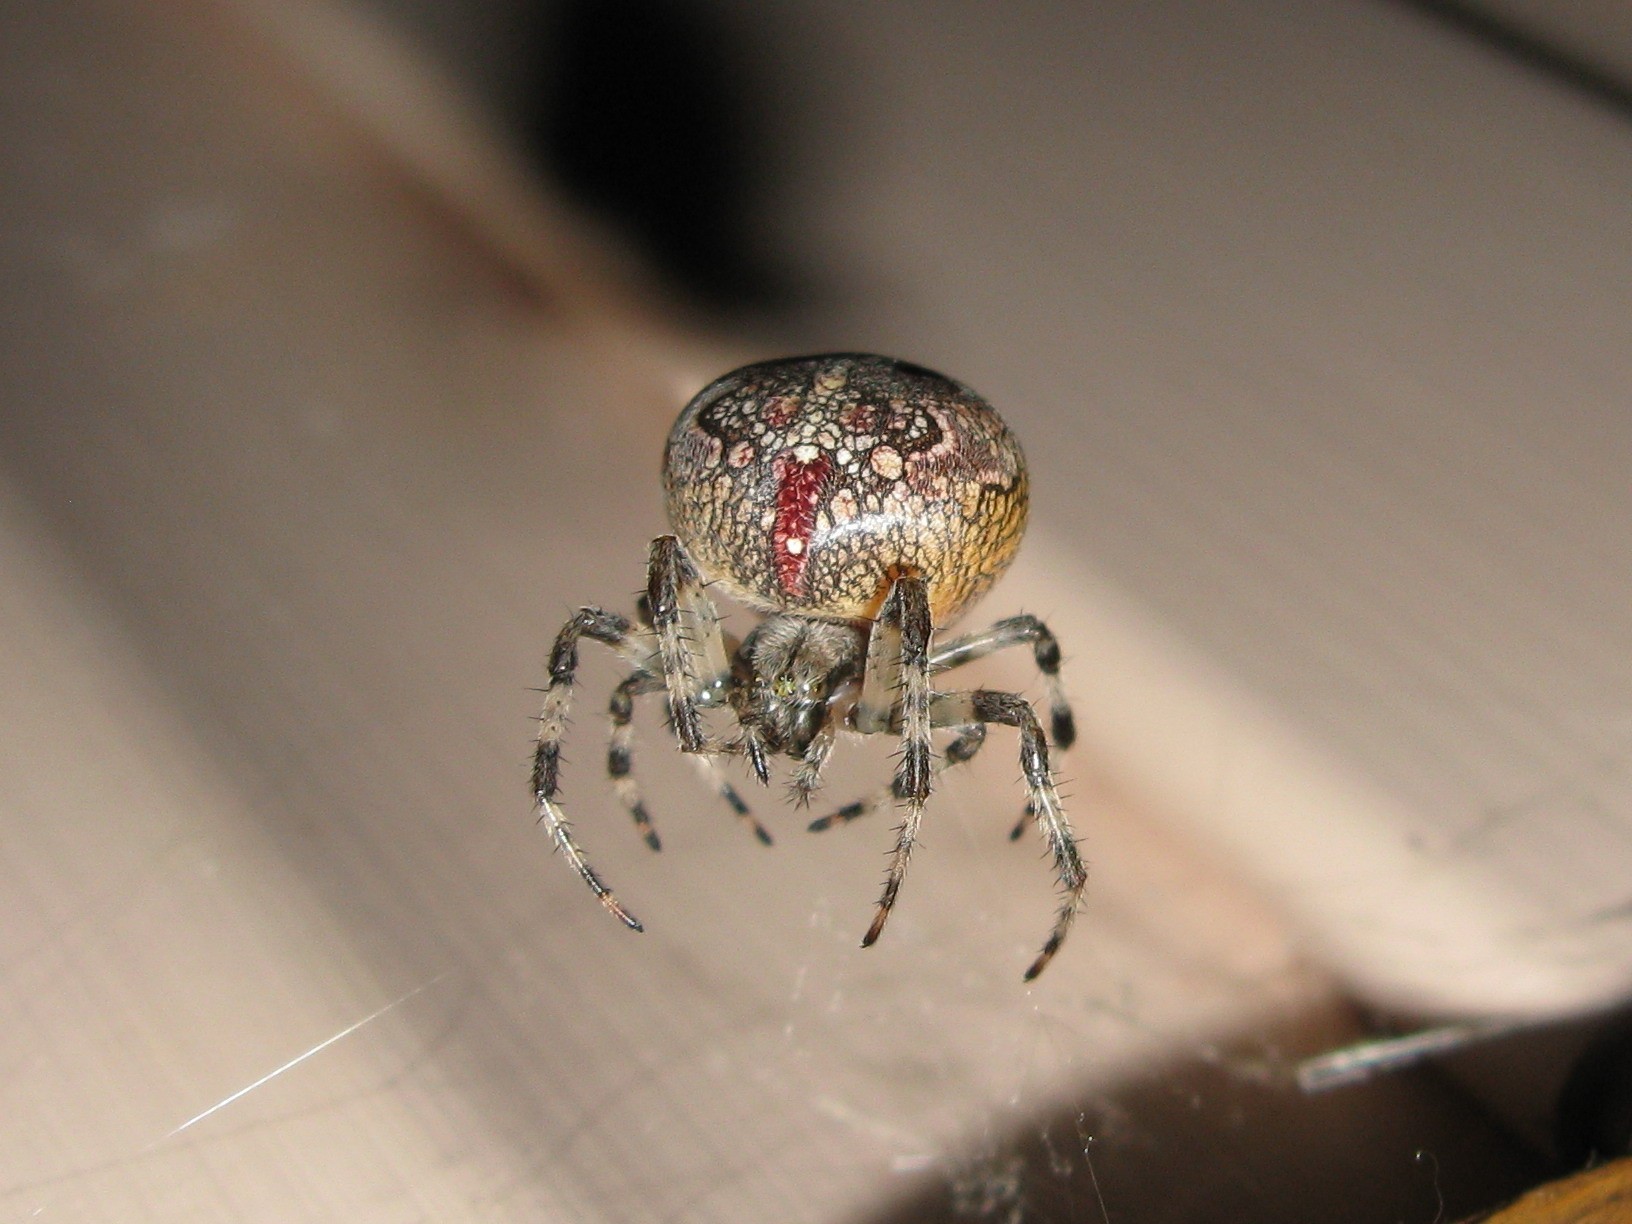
(1017,631)
(612,631)
(619,762)
(690,645)
(1043,801)
(878,707)
(959,751)
(901,639)
(733,800)
(619,751)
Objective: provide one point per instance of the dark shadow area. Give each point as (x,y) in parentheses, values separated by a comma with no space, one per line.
(1225,1140)
(654,114)
(1537,54)
(1595,1106)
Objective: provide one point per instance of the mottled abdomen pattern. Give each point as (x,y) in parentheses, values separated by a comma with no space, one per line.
(806,485)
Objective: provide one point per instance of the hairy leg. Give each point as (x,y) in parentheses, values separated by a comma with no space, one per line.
(620,751)
(959,751)
(1017,631)
(612,631)
(620,762)
(905,622)
(689,642)
(1011,709)
(734,801)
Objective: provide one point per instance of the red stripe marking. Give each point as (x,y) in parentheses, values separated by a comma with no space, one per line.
(798,491)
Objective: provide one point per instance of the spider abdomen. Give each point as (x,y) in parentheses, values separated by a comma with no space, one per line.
(805,485)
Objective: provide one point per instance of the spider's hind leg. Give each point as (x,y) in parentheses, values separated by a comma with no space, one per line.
(959,751)
(739,808)
(620,751)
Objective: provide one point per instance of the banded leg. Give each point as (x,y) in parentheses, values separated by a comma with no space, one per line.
(1017,631)
(1011,709)
(612,631)
(905,625)
(620,751)
(733,800)
(619,763)
(689,642)
(958,752)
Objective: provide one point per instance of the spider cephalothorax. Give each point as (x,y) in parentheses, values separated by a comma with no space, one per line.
(860,503)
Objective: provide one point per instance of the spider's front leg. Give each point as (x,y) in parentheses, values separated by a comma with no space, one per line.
(690,646)
(1022,630)
(896,676)
(691,651)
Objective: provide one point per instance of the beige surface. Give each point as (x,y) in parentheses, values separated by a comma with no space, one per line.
(297,477)
(1317,321)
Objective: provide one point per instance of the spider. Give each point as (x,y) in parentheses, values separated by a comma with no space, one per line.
(859,503)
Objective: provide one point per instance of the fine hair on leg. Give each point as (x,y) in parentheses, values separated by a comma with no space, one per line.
(959,751)
(611,630)
(905,617)
(1045,648)
(620,751)
(1043,800)
(690,645)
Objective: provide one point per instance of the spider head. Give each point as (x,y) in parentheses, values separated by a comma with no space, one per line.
(788,669)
